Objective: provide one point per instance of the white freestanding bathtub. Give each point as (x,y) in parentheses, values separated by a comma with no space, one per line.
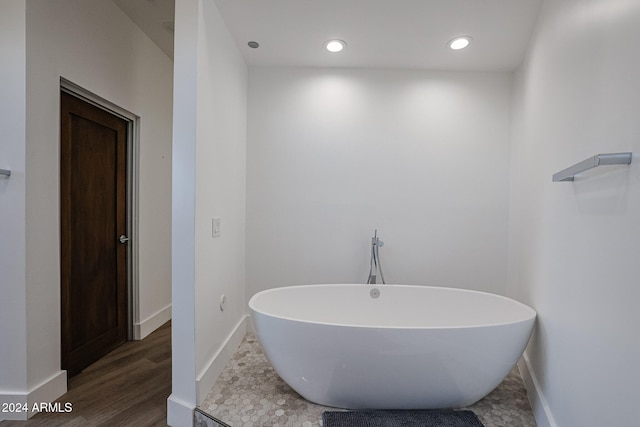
(390,346)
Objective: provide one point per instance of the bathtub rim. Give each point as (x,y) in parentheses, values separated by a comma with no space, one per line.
(531,317)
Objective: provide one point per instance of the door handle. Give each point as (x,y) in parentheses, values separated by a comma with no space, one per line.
(123,239)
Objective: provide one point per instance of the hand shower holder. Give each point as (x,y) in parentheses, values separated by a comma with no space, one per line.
(569,173)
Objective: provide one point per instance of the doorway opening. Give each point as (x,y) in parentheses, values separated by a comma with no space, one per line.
(98,233)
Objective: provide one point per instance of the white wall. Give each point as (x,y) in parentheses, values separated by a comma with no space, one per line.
(575,245)
(220,191)
(335,153)
(95,45)
(209,181)
(13,327)
(183,397)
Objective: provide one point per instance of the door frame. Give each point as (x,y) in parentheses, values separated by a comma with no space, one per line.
(133,153)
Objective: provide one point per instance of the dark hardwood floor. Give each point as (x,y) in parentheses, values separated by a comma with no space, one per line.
(128,387)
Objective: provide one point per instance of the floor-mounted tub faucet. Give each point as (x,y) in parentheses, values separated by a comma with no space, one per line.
(375,266)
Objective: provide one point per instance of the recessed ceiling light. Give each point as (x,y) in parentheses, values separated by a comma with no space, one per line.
(459,42)
(334,45)
(253,45)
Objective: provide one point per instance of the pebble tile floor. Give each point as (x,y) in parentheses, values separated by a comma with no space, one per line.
(249,393)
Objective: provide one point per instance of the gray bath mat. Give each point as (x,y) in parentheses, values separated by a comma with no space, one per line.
(430,418)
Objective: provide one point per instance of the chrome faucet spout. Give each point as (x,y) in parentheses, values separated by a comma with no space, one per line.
(375,267)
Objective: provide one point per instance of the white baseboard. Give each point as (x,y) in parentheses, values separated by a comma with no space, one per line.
(142,329)
(45,392)
(179,413)
(539,405)
(208,376)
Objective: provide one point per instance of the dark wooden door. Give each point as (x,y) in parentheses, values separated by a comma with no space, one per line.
(93,214)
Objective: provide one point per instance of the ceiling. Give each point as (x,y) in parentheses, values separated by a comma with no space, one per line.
(409,34)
